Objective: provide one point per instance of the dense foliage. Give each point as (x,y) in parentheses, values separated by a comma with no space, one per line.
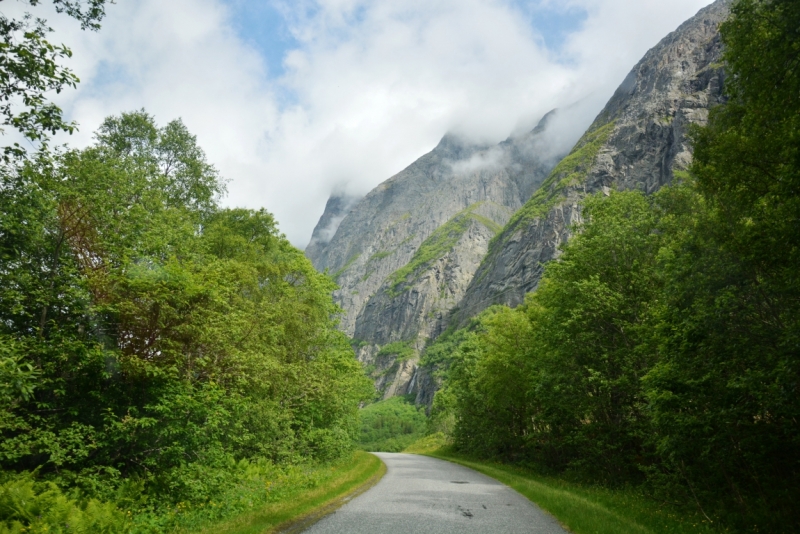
(150,339)
(663,348)
(391,425)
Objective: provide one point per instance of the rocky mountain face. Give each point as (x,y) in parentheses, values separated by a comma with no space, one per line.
(638,141)
(468,226)
(405,253)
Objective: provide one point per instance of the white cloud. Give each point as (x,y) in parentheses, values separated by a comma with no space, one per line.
(372,86)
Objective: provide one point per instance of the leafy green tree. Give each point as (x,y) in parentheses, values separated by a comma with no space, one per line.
(724,398)
(489,382)
(594,313)
(30,68)
(558,380)
(391,425)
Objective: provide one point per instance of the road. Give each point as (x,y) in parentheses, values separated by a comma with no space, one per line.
(422,495)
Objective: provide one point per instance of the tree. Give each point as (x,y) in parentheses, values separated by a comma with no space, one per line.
(724,396)
(30,68)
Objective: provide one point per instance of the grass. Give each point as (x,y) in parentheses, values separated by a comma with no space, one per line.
(346,266)
(582,509)
(380,255)
(304,505)
(402,350)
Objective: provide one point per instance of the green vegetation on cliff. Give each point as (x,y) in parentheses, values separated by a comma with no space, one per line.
(401,350)
(570,171)
(438,244)
(350,261)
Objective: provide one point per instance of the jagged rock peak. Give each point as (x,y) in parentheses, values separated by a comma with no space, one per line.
(404,254)
(455,147)
(336,209)
(383,230)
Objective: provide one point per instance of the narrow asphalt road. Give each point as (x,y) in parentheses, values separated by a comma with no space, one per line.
(423,495)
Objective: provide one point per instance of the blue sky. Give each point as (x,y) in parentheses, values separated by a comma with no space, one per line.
(262,24)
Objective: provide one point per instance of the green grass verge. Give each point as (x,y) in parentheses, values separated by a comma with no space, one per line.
(300,508)
(582,509)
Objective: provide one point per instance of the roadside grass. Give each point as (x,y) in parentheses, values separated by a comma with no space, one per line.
(582,509)
(333,486)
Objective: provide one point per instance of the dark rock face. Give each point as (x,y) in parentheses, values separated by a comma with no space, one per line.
(644,126)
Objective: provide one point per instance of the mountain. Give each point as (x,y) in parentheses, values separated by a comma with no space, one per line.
(639,141)
(405,253)
(467,226)
(336,209)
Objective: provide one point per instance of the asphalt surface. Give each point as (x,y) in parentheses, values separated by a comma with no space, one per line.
(423,495)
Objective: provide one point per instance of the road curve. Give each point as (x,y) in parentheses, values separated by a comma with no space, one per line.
(422,495)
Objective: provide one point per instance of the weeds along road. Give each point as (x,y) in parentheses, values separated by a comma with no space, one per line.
(422,495)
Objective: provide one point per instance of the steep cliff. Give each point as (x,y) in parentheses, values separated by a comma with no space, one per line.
(383,231)
(467,226)
(405,254)
(638,141)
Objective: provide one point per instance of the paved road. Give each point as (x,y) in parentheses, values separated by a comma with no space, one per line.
(422,495)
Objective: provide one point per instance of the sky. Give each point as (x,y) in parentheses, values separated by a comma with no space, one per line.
(293,100)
